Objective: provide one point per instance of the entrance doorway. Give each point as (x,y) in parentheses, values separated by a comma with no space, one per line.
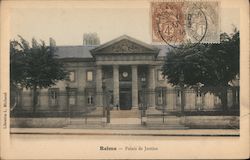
(125,99)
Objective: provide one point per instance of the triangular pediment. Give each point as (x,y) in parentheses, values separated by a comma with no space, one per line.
(124,44)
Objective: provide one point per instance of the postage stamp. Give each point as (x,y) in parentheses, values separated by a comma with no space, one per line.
(168,21)
(182,22)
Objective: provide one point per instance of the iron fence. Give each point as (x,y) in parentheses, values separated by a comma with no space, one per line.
(77,103)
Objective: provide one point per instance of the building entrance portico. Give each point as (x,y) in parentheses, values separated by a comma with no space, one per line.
(121,63)
(125,88)
(124,84)
(125,99)
(117,80)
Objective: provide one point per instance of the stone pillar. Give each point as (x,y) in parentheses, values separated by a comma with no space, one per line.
(151,86)
(134,87)
(116,84)
(99,89)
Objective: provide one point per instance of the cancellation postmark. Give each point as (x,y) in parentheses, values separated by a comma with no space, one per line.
(168,22)
(195,23)
(179,22)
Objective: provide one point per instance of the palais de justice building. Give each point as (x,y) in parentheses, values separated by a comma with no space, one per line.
(125,74)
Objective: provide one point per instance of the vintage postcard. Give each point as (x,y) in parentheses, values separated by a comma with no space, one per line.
(144,79)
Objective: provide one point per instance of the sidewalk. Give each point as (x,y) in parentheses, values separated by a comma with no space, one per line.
(179,132)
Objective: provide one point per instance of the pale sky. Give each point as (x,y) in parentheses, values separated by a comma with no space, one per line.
(67,25)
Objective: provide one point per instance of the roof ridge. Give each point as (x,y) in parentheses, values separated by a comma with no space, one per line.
(122,37)
(77,46)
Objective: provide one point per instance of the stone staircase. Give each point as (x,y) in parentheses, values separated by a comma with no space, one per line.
(133,113)
(125,117)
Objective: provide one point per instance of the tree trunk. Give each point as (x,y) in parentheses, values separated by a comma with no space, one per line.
(34,98)
(13,97)
(182,100)
(223,98)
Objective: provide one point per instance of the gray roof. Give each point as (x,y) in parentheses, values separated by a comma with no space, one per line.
(84,51)
(74,51)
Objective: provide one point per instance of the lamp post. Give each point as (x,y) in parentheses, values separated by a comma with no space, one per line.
(67,94)
(182,91)
(143,108)
(164,109)
(107,108)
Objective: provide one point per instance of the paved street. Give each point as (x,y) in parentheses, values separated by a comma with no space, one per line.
(177,132)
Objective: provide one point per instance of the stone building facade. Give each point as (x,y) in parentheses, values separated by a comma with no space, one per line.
(124,74)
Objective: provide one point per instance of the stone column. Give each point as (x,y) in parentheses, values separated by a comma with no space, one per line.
(134,87)
(99,89)
(151,86)
(116,84)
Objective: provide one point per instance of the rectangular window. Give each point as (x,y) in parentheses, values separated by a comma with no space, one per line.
(90,96)
(72,76)
(72,97)
(53,96)
(90,100)
(198,93)
(160,96)
(160,76)
(198,98)
(178,96)
(89,75)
